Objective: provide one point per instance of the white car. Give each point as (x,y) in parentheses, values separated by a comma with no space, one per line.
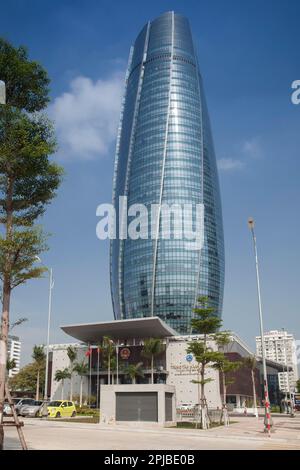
(184,407)
(32,410)
(7,410)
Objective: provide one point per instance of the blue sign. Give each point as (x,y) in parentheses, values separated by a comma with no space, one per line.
(189,357)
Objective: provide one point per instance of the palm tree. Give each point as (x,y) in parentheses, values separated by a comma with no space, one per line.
(108,352)
(39,357)
(250,363)
(81,368)
(72,355)
(60,376)
(152,347)
(133,371)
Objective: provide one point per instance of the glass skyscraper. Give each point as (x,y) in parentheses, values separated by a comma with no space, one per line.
(165,155)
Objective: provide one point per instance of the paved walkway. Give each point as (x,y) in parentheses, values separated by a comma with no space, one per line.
(245,433)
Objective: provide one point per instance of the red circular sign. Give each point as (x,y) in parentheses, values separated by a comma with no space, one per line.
(125,353)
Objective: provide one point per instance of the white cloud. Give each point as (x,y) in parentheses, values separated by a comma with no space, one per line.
(252,148)
(229,164)
(86,117)
(247,150)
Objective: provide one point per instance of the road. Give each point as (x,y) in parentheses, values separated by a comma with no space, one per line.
(245,433)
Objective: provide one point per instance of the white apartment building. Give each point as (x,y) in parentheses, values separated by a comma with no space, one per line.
(14,352)
(281,347)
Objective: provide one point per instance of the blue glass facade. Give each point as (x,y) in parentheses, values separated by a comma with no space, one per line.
(165,155)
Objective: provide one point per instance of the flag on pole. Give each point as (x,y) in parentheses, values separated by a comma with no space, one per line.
(88,352)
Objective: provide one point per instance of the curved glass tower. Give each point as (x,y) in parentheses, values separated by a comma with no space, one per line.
(165,155)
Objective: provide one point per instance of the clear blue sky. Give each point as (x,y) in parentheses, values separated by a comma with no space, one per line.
(249,56)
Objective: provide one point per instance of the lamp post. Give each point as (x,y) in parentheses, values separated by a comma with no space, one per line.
(51,285)
(267,422)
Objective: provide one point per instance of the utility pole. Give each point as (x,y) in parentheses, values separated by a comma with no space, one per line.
(267,422)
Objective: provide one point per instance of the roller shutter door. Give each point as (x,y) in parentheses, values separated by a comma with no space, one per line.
(169,406)
(136,406)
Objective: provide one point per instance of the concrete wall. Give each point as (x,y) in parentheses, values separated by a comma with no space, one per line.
(108,402)
(60,360)
(182,372)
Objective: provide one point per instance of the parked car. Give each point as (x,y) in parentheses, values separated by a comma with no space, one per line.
(7,409)
(32,410)
(21,402)
(61,408)
(184,407)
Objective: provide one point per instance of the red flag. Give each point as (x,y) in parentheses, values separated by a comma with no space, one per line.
(88,352)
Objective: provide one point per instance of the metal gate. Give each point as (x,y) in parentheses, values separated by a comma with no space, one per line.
(169,406)
(136,406)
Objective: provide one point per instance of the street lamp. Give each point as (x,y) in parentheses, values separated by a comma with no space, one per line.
(267,422)
(51,285)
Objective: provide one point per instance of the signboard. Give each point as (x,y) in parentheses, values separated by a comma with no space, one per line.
(297,399)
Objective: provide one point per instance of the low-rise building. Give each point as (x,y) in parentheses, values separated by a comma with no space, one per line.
(172,366)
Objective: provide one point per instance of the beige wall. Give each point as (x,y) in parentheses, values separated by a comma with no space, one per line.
(108,402)
(182,372)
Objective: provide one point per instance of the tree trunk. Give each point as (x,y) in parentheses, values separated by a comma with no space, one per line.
(224,388)
(71,387)
(5,305)
(37,385)
(62,389)
(80,398)
(152,369)
(133,380)
(3,352)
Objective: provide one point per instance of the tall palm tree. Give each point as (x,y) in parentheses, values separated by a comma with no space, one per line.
(108,349)
(152,348)
(39,357)
(60,376)
(250,363)
(81,368)
(72,355)
(133,371)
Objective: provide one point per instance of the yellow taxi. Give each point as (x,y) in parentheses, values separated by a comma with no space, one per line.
(61,409)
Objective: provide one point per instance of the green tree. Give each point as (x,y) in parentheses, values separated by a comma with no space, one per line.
(223,365)
(25,379)
(27,82)
(133,371)
(28,179)
(10,364)
(298,386)
(81,368)
(251,363)
(39,357)
(60,376)
(152,348)
(205,323)
(72,355)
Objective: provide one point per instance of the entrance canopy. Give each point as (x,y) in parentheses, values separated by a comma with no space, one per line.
(149,327)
